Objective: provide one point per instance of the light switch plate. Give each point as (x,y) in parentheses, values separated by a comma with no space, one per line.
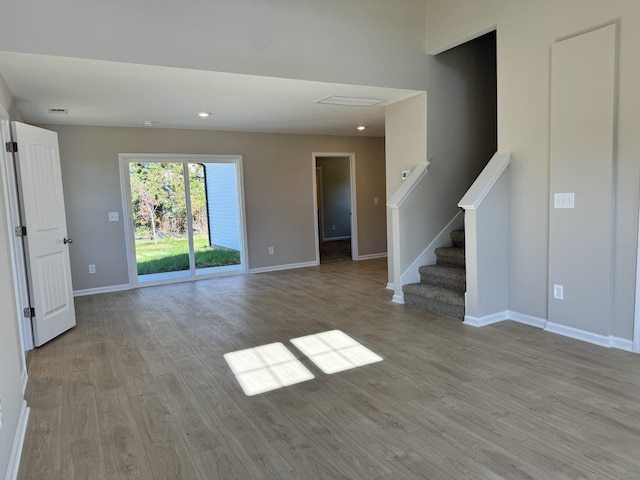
(563,200)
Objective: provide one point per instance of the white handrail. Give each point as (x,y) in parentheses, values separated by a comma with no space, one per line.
(408,186)
(485,181)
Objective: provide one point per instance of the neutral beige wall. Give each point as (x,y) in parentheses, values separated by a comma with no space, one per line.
(452,22)
(526,30)
(278,186)
(10,350)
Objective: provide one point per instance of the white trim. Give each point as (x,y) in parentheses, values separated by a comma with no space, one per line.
(390,286)
(486,320)
(18,442)
(595,338)
(371,256)
(485,181)
(408,186)
(16,250)
(636,322)
(398,298)
(125,189)
(622,344)
(275,268)
(354,212)
(107,289)
(527,319)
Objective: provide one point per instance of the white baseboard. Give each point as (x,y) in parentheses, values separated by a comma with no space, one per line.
(527,319)
(398,299)
(590,337)
(289,266)
(108,289)
(18,443)
(486,320)
(622,344)
(371,256)
(391,286)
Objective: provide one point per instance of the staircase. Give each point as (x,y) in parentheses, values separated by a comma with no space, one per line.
(442,286)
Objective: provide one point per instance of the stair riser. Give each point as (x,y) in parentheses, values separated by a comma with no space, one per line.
(456,284)
(450,257)
(457,238)
(440,308)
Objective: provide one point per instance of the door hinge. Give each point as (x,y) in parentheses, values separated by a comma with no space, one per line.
(12,147)
(29,312)
(21,231)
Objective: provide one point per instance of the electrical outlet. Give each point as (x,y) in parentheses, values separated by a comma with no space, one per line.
(92,269)
(558,291)
(113,216)
(271,251)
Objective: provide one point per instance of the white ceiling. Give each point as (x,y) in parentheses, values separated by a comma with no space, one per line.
(123,94)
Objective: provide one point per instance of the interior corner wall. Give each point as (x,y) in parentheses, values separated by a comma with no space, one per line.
(278,187)
(526,30)
(453,22)
(10,349)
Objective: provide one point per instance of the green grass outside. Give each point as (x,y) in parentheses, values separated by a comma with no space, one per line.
(172,255)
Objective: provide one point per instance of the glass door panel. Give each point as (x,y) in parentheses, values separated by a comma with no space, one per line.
(159,211)
(214,206)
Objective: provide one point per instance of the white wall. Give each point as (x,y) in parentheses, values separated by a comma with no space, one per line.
(357,41)
(526,31)
(10,350)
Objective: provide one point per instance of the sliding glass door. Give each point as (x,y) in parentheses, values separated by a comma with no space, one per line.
(186,216)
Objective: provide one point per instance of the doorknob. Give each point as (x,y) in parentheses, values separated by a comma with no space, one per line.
(67,240)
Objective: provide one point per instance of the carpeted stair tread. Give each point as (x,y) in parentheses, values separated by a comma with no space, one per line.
(443,276)
(457,238)
(450,256)
(442,301)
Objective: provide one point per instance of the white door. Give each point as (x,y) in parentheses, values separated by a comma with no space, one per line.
(46,242)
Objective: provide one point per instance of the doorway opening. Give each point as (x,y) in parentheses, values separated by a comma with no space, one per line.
(186,216)
(335,207)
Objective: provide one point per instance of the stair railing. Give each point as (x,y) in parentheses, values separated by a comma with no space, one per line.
(398,205)
(486,223)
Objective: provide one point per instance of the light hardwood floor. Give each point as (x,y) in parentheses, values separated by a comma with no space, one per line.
(140,390)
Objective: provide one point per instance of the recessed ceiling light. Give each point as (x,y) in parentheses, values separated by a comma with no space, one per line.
(203,114)
(58,111)
(148,123)
(350,101)
(361,127)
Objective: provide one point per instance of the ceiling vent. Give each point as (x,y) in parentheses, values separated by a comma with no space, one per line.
(351,101)
(58,111)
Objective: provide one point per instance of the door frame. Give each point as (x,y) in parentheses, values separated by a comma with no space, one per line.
(352,185)
(636,322)
(12,214)
(125,190)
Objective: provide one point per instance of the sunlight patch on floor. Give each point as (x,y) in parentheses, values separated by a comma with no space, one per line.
(335,351)
(267,367)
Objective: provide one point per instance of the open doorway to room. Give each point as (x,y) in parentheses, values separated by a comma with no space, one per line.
(335,207)
(186,216)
